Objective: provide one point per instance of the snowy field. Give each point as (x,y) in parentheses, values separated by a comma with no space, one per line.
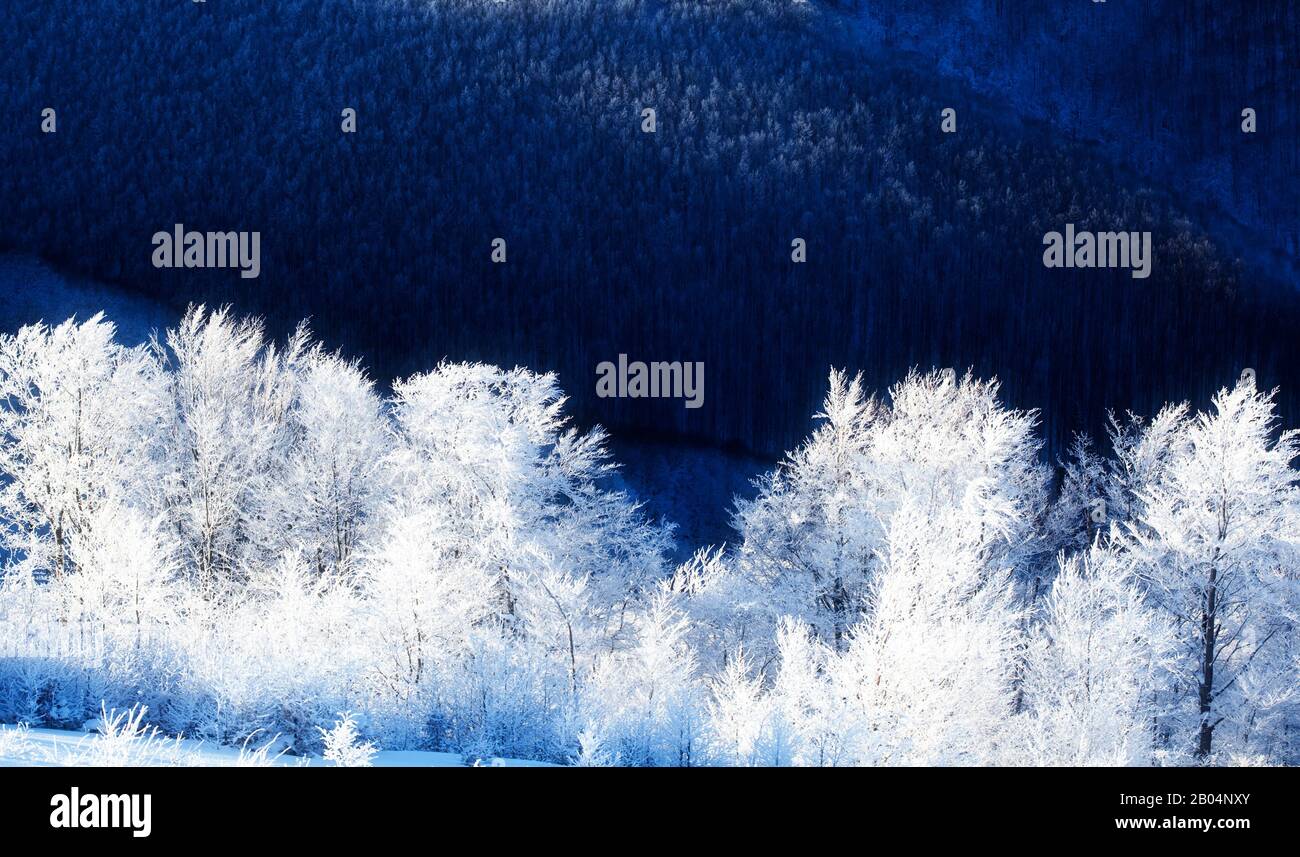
(22,747)
(31,291)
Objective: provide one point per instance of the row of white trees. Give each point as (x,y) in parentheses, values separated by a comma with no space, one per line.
(251,538)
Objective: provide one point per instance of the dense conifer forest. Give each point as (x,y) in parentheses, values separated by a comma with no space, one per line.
(523,120)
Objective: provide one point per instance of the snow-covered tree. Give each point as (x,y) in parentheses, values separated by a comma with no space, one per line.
(77,432)
(225,441)
(1142,453)
(1079,511)
(1218,542)
(333,479)
(812,538)
(646,697)
(1094,667)
(810,534)
(737,714)
(426,600)
(929,671)
(513,484)
(592,752)
(811,723)
(719,600)
(498,544)
(124,569)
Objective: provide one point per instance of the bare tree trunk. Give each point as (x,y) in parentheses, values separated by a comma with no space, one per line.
(1209,632)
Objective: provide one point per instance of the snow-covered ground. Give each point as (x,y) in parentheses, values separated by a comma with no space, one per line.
(32,291)
(23,747)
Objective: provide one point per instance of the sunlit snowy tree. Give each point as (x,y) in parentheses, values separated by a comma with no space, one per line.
(941,446)
(1095,665)
(225,442)
(1218,541)
(333,479)
(929,671)
(78,416)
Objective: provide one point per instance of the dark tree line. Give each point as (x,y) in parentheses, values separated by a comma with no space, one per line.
(522,120)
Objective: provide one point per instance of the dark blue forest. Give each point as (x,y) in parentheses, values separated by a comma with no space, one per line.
(775,120)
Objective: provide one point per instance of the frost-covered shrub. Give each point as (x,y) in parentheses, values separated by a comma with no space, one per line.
(344,747)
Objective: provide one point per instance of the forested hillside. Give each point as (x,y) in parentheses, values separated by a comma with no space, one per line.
(1160,83)
(522,120)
